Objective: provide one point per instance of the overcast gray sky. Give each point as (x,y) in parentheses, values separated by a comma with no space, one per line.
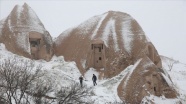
(163,21)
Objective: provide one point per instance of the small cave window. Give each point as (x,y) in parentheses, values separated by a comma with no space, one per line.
(34,43)
(151,53)
(149,82)
(155,89)
(155,62)
(99,58)
(33,55)
(99,49)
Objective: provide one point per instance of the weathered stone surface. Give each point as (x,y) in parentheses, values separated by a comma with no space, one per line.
(145,79)
(122,38)
(23,33)
(110,42)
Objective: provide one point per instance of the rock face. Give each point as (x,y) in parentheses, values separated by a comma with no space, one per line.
(23,33)
(145,79)
(109,43)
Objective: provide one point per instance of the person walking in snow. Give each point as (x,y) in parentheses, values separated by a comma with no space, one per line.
(81,80)
(94,78)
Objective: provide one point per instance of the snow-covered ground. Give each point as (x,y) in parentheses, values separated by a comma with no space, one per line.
(159,100)
(60,73)
(178,76)
(106,90)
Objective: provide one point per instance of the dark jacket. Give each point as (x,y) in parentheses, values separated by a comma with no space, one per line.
(81,78)
(94,78)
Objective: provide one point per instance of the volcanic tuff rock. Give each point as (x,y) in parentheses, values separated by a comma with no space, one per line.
(123,42)
(110,42)
(23,33)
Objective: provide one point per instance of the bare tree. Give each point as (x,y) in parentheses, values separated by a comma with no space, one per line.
(2,96)
(21,82)
(16,78)
(74,94)
(171,62)
(39,92)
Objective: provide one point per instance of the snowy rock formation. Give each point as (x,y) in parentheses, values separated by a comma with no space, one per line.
(110,43)
(113,44)
(123,43)
(23,33)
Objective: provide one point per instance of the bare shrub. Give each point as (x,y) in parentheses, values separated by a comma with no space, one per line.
(171,62)
(16,78)
(74,94)
(22,82)
(39,92)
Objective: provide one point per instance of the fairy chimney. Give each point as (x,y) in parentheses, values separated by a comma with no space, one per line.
(23,33)
(122,39)
(110,43)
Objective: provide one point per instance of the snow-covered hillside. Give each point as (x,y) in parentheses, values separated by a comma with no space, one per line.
(60,73)
(177,74)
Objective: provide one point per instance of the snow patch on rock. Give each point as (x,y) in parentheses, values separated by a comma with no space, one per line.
(62,36)
(130,72)
(116,47)
(31,21)
(148,64)
(99,24)
(34,21)
(23,42)
(83,62)
(110,30)
(88,25)
(127,34)
(168,80)
(19,11)
(48,38)
(105,36)
(1,26)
